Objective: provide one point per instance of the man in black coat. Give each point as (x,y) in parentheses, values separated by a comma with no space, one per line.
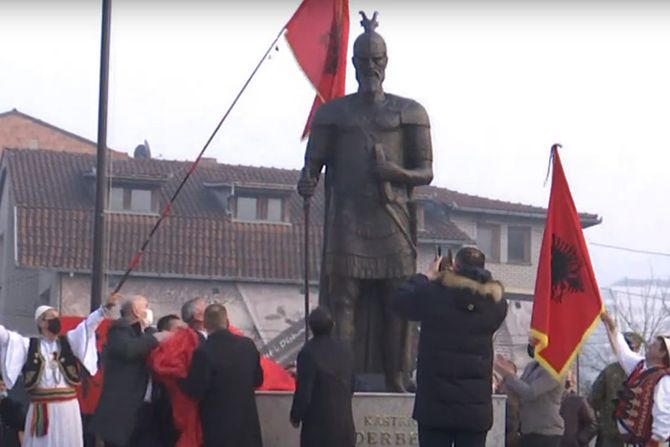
(123,411)
(224,373)
(322,400)
(459,309)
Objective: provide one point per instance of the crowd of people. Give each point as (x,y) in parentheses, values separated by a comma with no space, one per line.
(191,381)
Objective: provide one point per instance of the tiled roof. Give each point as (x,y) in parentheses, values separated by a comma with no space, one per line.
(18,129)
(198,247)
(54,196)
(471,203)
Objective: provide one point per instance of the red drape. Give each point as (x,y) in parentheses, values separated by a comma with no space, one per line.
(170,362)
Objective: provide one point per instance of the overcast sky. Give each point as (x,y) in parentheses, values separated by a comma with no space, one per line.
(502,81)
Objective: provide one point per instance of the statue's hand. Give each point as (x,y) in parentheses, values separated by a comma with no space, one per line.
(387,171)
(306,186)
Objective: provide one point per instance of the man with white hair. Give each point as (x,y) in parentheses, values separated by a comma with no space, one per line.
(643,410)
(50,365)
(123,416)
(193,314)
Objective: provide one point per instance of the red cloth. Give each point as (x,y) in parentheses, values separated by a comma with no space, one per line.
(567,300)
(170,361)
(318,34)
(88,393)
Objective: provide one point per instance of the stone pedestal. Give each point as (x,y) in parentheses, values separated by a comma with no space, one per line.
(380,418)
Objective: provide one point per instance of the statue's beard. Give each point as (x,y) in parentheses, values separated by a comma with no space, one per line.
(370,83)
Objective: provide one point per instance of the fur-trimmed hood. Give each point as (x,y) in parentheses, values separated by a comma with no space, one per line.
(493,289)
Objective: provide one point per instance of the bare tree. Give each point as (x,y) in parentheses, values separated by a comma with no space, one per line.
(641,306)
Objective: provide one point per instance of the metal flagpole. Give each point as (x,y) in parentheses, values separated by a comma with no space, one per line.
(97,285)
(306,206)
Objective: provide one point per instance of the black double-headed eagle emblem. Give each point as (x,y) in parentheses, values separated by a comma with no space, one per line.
(566,269)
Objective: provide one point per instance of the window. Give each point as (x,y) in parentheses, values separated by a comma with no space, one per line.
(518,245)
(116,199)
(488,241)
(275,210)
(267,209)
(420,218)
(132,200)
(140,200)
(247,208)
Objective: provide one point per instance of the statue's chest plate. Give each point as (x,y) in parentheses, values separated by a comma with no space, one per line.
(354,155)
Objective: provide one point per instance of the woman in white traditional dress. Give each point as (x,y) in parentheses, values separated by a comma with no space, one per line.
(50,366)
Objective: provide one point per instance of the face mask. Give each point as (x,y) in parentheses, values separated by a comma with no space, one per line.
(531,351)
(53,326)
(148,319)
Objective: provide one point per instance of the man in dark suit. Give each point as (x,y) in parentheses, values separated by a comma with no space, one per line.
(322,400)
(224,373)
(122,414)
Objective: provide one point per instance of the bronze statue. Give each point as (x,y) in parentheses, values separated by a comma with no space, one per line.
(376,148)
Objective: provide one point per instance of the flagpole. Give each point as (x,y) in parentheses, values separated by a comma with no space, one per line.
(134,262)
(98,269)
(306,206)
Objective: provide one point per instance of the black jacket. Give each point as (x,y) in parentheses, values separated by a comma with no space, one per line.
(223,376)
(458,318)
(126,376)
(12,421)
(322,400)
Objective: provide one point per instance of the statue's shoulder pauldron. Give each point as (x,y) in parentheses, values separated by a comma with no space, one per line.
(411,112)
(332,113)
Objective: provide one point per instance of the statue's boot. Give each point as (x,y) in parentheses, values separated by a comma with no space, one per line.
(395,383)
(410,384)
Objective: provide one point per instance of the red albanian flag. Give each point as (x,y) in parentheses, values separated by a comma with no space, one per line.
(318,34)
(88,393)
(567,300)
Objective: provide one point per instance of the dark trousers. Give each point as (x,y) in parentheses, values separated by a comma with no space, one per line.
(147,433)
(605,440)
(8,437)
(533,440)
(434,437)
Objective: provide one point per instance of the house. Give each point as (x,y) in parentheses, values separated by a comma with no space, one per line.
(18,129)
(235,234)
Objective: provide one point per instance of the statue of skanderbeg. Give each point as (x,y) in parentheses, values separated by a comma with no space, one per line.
(376,148)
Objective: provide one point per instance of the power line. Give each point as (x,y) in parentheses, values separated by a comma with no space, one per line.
(632,250)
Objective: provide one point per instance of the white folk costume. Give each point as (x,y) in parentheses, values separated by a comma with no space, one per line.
(643,409)
(51,372)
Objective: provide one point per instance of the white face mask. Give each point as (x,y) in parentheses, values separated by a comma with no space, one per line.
(148,319)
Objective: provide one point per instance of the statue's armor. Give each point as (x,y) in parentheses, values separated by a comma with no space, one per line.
(369,227)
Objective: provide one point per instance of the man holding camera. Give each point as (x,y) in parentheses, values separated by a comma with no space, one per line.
(460,309)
